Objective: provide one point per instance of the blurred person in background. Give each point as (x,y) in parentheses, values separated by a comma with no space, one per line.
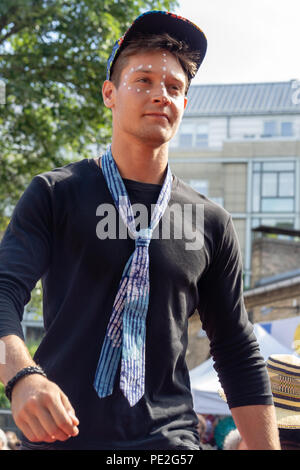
(13,442)
(3,441)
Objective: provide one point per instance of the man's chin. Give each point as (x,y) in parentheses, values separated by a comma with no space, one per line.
(157,138)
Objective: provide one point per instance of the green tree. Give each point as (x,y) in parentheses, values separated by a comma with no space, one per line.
(53,56)
(4,402)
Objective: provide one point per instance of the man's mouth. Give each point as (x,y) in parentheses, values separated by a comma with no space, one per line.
(158,116)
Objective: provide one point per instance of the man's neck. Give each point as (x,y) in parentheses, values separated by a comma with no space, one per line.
(141,163)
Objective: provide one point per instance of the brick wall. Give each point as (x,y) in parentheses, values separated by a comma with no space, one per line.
(271,256)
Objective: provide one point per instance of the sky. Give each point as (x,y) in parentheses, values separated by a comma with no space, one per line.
(248,40)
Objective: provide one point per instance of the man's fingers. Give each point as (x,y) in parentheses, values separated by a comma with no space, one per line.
(34,431)
(49,425)
(39,430)
(62,418)
(27,431)
(69,408)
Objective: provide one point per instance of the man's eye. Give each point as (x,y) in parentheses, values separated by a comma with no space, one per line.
(143,80)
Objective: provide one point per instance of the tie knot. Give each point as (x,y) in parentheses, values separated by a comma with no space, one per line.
(143,237)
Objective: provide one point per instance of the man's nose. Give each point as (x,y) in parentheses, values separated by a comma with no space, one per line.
(160,95)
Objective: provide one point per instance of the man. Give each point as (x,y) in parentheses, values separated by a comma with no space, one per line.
(117,303)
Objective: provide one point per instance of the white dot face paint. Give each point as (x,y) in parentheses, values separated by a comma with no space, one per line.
(151,74)
(164,69)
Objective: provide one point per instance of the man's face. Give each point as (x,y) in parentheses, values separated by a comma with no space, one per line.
(150,100)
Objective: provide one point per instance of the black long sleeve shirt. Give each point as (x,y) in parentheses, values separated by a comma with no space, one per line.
(55,234)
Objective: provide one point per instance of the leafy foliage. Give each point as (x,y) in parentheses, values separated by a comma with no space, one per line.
(4,402)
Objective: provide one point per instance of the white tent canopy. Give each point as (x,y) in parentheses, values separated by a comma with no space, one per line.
(205,384)
(284,330)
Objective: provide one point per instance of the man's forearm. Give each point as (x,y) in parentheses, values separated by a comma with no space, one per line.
(16,357)
(257,426)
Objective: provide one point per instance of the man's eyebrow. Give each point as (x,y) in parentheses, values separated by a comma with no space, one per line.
(140,70)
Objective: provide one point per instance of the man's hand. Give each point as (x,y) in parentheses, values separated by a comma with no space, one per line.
(42,411)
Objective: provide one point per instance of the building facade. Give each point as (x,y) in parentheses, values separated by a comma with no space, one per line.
(239,144)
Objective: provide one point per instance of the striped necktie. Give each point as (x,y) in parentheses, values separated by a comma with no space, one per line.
(126,331)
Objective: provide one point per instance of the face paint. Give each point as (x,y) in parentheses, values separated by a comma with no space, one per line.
(135,88)
(164,69)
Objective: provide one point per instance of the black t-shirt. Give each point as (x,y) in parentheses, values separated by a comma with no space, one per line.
(57,233)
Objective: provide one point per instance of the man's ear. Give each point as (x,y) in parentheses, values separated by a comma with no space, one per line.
(185,102)
(108,93)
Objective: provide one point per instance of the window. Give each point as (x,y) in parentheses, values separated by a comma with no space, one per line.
(186,135)
(200,185)
(192,134)
(202,135)
(286,184)
(276,129)
(274,204)
(273,187)
(270,129)
(287,129)
(269,184)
